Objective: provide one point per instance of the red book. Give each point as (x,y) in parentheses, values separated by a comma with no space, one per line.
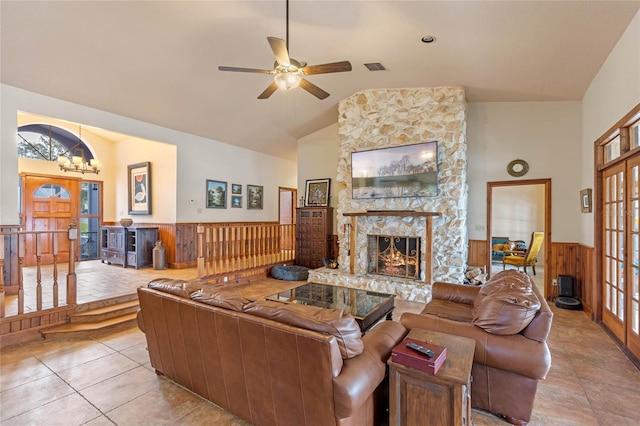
(401,354)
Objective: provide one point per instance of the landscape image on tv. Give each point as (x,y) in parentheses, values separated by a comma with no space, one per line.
(402,171)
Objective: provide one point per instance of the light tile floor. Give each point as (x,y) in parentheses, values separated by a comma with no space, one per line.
(108,380)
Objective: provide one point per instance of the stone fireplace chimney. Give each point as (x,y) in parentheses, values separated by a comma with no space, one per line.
(384,118)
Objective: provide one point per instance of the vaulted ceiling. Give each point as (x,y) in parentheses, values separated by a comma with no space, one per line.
(158,61)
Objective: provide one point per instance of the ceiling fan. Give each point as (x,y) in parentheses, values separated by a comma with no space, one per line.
(288,73)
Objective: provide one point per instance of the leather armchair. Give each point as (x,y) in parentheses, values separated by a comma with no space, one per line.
(506,367)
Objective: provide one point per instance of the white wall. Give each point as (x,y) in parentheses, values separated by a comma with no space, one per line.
(547,136)
(318,159)
(612,94)
(183,161)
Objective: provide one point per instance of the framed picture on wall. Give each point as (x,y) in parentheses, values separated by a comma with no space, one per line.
(236,189)
(255,194)
(216,194)
(236,201)
(317,192)
(139,179)
(585,200)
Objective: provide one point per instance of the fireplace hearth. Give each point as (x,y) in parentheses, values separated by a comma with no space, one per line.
(392,255)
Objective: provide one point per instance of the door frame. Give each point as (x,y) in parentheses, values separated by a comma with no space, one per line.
(547,223)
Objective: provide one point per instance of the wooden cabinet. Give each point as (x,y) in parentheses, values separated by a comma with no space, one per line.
(128,246)
(418,398)
(314,227)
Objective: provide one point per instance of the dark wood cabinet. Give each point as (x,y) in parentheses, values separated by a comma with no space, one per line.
(314,227)
(128,246)
(418,398)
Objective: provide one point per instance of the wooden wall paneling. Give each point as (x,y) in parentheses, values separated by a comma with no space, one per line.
(563,262)
(586,278)
(477,253)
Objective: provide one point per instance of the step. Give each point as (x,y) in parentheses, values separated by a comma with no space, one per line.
(91,329)
(106,312)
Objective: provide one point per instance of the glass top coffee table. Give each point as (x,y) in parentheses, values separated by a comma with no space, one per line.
(367,307)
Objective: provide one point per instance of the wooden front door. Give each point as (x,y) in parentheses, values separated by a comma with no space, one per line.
(621,254)
(49,203)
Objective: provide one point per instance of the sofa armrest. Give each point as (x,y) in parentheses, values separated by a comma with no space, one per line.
(361,375)
(459,293)
(514,353)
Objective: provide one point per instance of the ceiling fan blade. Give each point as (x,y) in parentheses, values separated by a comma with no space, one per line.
(279,48)
(327,68)
(221,68)
(268,91)
(313,89)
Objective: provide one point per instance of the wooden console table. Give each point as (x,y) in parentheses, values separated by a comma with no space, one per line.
(428,273)
(418,398)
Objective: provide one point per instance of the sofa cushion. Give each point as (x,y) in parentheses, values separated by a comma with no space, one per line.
(336,322)
(506,304)
(177,287)
(227,299)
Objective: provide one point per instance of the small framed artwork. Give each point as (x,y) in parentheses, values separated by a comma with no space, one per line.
(139,178)
(585,200)
(236,189)
(255,194)
(216,194)
(317,192)
(236,201)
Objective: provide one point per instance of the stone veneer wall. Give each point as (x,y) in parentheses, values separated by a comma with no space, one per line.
(382,118)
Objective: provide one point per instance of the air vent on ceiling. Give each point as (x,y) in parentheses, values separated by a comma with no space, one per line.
(375,66)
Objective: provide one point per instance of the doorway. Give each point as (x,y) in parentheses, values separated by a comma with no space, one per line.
(286,213)
(49,204)
(513,209)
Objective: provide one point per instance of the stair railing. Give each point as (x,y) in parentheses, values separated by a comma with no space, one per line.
(14,244)
(228,248)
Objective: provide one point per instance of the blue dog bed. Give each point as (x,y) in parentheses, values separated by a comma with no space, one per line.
(290,273)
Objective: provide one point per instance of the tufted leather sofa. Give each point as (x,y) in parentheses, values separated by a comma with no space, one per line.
(511,353)
(260,361)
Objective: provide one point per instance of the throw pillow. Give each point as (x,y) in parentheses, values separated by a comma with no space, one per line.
(506,304)
(336,322)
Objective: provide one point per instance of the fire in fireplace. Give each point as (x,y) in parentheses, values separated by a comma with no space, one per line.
(396,256)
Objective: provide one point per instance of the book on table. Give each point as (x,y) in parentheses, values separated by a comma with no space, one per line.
(404,355)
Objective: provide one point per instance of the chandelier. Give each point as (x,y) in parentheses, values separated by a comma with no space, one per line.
(78,163)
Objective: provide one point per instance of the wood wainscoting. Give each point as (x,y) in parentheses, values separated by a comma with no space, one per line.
(572,259)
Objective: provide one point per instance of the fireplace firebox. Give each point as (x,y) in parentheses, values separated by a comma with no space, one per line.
(396,256)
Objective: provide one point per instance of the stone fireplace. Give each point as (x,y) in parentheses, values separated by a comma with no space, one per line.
(383,118)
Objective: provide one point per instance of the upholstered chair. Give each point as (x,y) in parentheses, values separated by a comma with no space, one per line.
(529,258)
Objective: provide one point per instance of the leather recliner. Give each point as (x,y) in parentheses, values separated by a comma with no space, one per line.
(507,363)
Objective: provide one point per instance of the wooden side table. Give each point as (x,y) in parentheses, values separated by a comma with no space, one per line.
(419,398)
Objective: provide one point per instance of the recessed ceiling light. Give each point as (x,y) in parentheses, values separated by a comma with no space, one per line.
(428,39)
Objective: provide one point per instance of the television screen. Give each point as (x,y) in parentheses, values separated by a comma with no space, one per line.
(401,171)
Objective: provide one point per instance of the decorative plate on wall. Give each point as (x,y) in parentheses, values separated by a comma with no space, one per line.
(518,168)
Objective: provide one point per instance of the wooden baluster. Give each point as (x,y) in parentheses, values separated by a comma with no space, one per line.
(234,238)
(210,251)
(201,250)
(72,279)
(227,248)
(262,247)
(55,270)
(252,245)
(1,276)
(39,271)
(243,247)
(21,244)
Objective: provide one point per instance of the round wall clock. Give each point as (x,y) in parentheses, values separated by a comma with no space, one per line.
(518,168)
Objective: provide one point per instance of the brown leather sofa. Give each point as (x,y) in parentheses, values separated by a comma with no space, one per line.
(510,327)
(266,362)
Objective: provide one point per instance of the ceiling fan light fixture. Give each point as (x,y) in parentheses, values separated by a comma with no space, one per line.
(287,80)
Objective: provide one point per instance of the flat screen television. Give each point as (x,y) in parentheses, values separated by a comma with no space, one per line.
(400,171)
